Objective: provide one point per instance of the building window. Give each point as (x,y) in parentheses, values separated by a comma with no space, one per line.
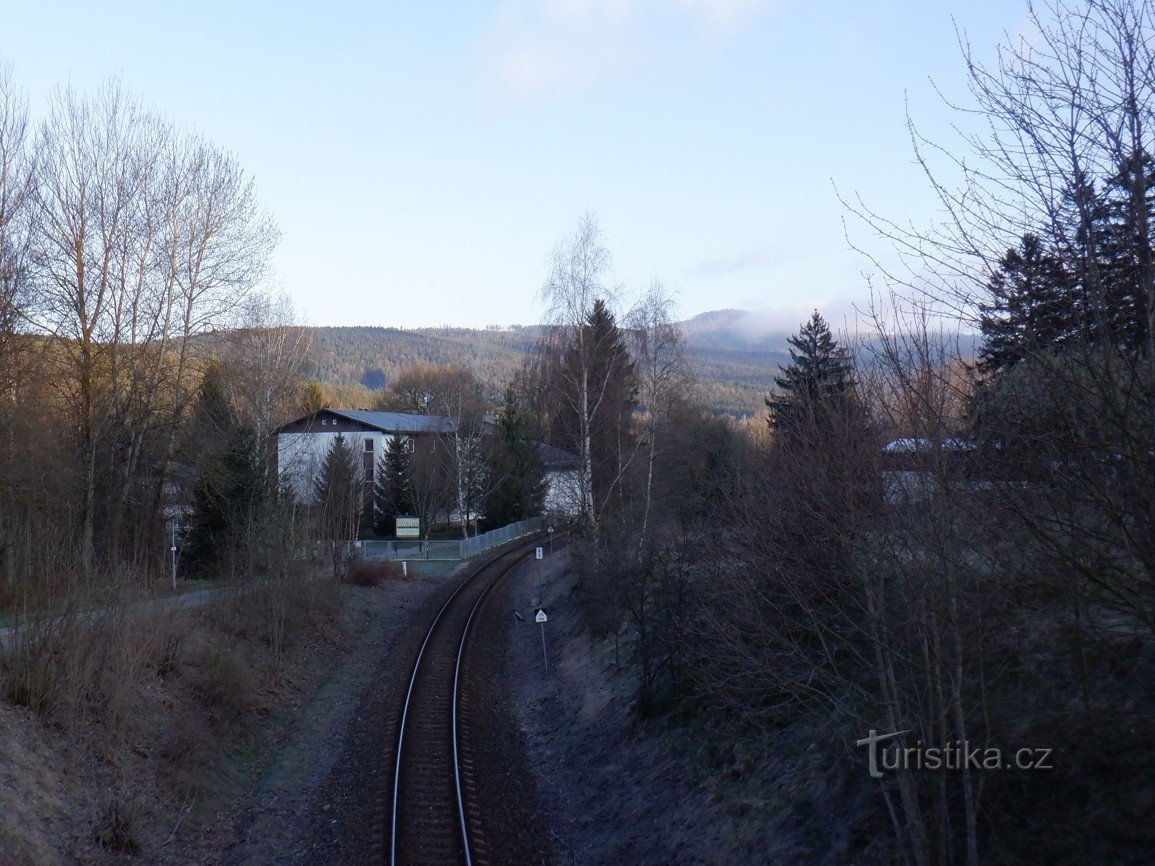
(369,446)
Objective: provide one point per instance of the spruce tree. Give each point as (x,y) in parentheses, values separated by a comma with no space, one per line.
(338,494)
(1031,306)
(233,488)
(1086,292)
(604,431)
(393,491)
(818,380)
(516,486)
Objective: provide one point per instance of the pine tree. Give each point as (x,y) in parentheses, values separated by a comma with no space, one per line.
(1089,292)
(602,435)
(233,487)
(338,494)
(393,491)
(817,382)
(1031,306)
(516,486)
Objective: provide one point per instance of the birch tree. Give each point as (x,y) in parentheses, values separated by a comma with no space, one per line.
(144,238)
(660,367)
(576,294)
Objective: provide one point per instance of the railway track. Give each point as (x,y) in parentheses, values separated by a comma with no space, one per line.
(434,816)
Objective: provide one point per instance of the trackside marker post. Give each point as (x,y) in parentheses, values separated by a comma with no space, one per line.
(541,620)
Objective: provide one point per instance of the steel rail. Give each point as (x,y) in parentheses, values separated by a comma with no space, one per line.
(456,679)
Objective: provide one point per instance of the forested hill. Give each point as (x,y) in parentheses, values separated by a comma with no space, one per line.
(734,354)
(734,372)
(373,356)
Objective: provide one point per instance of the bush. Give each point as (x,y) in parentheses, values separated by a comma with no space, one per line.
(223,684)
(372,572)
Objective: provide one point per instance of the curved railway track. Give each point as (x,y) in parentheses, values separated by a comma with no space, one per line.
(434,817)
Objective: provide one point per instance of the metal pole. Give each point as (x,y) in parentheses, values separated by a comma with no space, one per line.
(544,651)
(174,554)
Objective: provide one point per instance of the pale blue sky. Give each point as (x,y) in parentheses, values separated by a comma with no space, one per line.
(423,159)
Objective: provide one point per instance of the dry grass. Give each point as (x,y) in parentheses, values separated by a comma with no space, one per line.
(117,726)
(117,828)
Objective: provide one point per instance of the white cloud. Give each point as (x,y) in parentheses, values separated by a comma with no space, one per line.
(744,261)
(536,47)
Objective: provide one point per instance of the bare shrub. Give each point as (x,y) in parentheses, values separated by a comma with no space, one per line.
(68,662)
(223,683)
(275,611)
(189,749)
(372,572)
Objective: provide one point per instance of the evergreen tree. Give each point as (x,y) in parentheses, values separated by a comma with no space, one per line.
(516,486)
(393,491)
(817,384)
(1123,252)
(611,389)
(1030,306)
(338,494)
(1085,291)
(233,487)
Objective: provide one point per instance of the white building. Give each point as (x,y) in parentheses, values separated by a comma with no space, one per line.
(302,445)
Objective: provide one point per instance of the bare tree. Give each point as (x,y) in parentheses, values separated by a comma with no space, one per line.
(660,367)
(573,293)
(269,355)
(15,188)
(144,238)
(93,242)
(1060,156)
(455,394)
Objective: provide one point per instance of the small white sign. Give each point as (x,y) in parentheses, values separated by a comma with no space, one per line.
(408,527)
(541,617)
(537,553)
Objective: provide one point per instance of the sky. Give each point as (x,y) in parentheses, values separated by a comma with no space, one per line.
(423,159)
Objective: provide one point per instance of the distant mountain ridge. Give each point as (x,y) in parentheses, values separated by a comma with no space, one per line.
(735,372)
(734,329)
(734,354)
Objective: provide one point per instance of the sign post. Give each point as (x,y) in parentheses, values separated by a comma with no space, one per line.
(550,531)
(542,619)
(537,556)
(408,527)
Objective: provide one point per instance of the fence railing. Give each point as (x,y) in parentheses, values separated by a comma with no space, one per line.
(471,546)
(443,549)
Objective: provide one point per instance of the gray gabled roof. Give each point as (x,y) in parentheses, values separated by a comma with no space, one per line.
(556,459)
(397,422)
(388,422)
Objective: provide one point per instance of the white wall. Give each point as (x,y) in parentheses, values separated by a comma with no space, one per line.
(563,492)
(299,456)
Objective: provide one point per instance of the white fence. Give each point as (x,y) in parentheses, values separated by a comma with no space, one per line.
(459,549)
